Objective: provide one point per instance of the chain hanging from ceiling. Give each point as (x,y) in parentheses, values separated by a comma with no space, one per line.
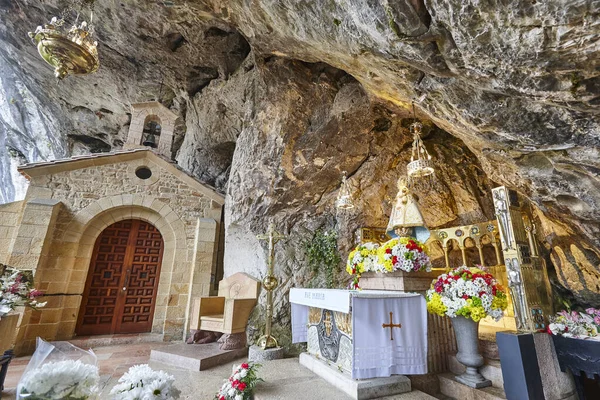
(69,50)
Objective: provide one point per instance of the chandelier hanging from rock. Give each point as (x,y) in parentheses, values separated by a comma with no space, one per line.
(420,169)
(344,198)
(69,51)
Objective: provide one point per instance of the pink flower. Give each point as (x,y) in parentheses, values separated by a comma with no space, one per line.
(245,366)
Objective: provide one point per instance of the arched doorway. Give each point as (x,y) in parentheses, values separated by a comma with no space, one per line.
(120,290)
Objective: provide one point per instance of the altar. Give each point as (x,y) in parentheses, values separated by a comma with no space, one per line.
(365,334)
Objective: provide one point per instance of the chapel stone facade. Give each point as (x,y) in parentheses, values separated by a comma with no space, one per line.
(119,242)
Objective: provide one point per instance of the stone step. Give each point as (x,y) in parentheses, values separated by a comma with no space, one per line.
(458,391)
(90,342)
(490,370)
(414,395)
(196,357)
(356,389)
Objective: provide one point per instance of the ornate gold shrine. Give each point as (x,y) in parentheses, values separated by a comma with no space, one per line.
(518,266)
(508,240)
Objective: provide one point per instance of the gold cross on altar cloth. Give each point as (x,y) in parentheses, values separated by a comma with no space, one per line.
(391,325)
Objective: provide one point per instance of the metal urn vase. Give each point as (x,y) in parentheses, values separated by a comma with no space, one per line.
(468,352)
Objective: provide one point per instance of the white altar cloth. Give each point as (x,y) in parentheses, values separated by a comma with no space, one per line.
(376,351)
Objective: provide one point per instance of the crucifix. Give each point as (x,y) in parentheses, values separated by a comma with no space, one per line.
(269,283)
(391,325)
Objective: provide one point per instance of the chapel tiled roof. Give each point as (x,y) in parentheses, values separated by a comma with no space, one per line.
(81,157)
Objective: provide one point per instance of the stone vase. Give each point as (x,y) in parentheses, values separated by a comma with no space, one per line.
(467,341)
(8,331)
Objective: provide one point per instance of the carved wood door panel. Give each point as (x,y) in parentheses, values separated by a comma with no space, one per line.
(120,291)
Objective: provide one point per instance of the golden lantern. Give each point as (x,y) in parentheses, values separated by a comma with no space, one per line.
(420,170)
(72,51)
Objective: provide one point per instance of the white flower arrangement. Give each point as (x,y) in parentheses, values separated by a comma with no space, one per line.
(581,325)
(65,380)
(16,290)
(143,383)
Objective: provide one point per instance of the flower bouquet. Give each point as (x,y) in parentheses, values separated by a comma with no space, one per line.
(143,383)
(240,384)
(581,325)
(363,259)
(468,292)
(16,290)
(59,371)
(404,254)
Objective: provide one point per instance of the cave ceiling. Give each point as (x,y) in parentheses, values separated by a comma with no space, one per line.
(515,82)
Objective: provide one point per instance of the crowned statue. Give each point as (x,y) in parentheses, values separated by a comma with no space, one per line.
(406,219)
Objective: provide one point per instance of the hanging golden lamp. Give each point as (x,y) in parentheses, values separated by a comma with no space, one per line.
(344,198)
(420,169)
(69,51)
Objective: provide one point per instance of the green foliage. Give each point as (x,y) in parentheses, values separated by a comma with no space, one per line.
(323,255)
(336,22)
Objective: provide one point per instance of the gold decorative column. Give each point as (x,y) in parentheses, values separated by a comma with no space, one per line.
(269,283)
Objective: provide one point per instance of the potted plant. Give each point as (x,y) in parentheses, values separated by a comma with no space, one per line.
(467,295)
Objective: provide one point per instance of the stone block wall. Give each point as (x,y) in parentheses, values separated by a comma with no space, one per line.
(96,196)
(10,215)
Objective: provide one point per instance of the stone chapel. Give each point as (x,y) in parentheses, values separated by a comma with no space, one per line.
(119,242)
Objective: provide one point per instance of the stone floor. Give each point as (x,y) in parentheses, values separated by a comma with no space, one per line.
(284,379)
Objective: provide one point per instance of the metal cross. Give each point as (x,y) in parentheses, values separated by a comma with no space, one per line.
(273,237)
(391,325)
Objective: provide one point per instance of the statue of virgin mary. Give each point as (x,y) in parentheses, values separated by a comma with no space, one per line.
(406,218)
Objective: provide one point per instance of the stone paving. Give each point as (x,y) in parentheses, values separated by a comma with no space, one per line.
(284,379)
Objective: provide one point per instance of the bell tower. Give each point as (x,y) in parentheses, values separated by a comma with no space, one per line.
(152,125)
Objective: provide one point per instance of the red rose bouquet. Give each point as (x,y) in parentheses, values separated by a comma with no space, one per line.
(240,384)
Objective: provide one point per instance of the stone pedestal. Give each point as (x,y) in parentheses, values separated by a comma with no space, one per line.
(259,355)
(8,332)
(399,280)
(362,389)
(520,366)
(196,357)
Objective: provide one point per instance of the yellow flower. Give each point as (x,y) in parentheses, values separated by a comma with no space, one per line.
(499,302)
(435,305)
(477,313)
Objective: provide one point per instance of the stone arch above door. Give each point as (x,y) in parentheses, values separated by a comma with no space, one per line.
(172,298)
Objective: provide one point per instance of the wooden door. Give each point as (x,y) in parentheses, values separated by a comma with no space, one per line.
(120,291)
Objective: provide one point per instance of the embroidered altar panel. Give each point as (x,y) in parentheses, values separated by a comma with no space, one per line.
(391,330)
(390,336)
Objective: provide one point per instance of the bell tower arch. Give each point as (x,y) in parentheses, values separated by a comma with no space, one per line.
(152,125)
